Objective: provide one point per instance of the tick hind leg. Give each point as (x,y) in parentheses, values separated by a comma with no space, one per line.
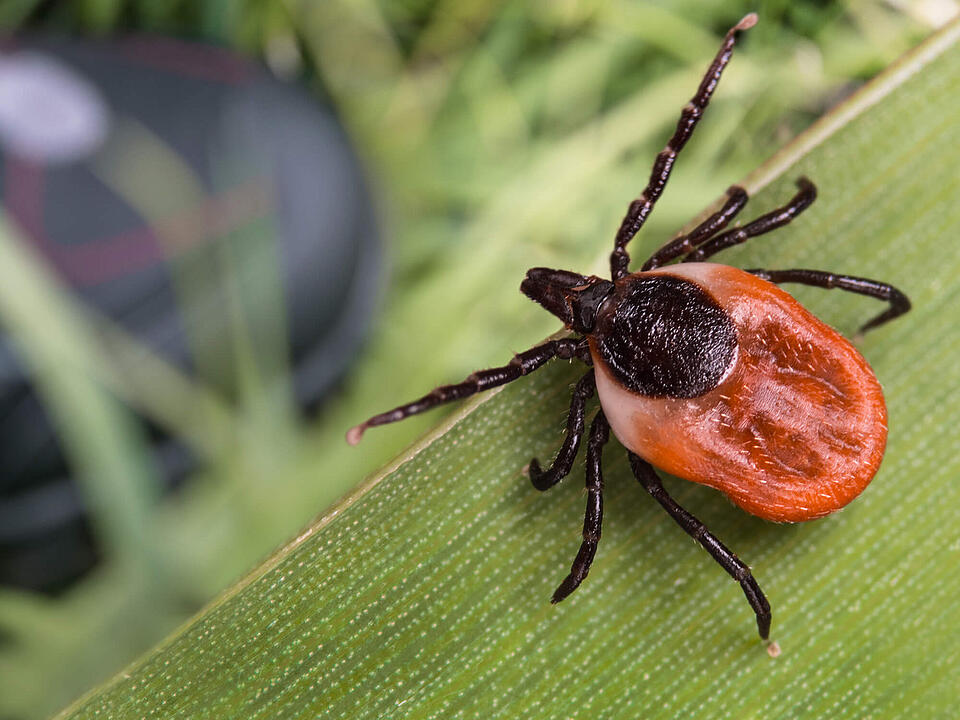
(899,303)
(522,364)
(546,479)
(699,532)
(805,196)
(640,209)
(593,517)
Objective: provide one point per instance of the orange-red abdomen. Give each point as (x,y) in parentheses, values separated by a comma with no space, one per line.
(794,430)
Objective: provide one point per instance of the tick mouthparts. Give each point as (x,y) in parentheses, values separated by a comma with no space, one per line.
(572,297)
(546,287)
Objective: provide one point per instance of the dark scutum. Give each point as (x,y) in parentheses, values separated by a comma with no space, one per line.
(663,336)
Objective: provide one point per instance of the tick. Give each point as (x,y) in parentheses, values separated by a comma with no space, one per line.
(708,372)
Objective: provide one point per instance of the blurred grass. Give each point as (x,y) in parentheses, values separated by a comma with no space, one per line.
(502,135)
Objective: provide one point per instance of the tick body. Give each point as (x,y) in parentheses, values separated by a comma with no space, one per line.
(711,373)
(776,410)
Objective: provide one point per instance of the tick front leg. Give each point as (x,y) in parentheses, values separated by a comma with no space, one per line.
(699,532)
(522,364)
(639,209)
(546,479)
(593,517)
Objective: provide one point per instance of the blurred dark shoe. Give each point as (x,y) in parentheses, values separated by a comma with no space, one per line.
(96,139)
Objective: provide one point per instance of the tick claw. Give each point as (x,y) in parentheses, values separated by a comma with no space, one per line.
(355,434)
(748,22)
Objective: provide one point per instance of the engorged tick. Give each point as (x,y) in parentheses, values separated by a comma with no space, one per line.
(710,373)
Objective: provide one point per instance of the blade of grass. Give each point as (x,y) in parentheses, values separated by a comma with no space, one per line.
(103,442)
(424,593)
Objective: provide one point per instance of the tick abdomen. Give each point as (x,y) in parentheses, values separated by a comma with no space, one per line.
(793,429)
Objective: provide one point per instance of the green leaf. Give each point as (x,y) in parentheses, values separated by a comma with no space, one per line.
(426,592)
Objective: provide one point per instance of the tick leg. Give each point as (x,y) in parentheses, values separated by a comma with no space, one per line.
(522,364)
(698,531)
(899,303)
(593,518)
(736,200)
(763,224)
(546,479)
(639,209)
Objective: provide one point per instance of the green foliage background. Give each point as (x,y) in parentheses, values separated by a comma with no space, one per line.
(506,135)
